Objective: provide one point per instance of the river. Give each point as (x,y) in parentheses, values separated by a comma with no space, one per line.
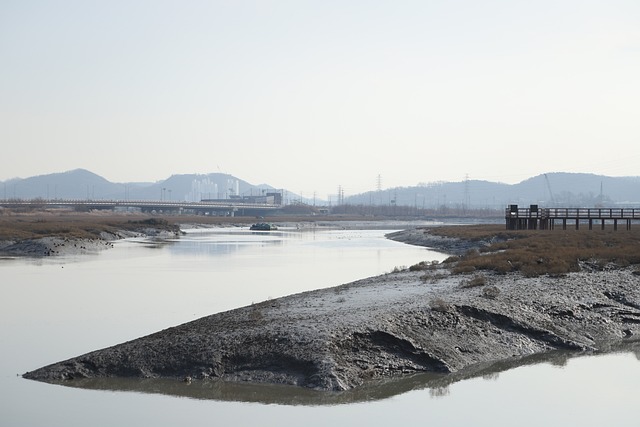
(55,308)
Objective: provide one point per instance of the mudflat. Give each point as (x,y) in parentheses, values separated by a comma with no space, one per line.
(483,306)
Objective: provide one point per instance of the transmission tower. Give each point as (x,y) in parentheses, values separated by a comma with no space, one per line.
(467,197)
(340,195)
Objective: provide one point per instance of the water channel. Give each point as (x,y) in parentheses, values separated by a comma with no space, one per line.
(55,308)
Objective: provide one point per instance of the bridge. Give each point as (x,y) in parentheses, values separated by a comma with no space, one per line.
(533,217)
(217,207)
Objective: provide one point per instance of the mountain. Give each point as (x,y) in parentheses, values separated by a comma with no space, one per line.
(75,184)
(552,189)
(82,184)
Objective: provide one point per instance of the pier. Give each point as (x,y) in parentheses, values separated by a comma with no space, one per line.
(536,218)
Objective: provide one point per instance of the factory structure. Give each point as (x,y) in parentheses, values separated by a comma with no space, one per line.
(206,190)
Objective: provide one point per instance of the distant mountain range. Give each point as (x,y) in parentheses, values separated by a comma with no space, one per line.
(83,184)
(547,190)
(552,189)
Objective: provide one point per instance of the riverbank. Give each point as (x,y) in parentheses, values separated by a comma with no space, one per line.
(43,234)
(425,318)
(420,236)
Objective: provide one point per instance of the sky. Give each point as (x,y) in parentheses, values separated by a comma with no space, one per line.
(315,95)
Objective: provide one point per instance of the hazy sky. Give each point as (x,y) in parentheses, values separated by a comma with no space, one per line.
(310,95)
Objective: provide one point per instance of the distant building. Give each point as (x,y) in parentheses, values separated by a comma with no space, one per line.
(268,199)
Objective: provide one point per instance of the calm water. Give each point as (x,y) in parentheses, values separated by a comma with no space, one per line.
(53,309)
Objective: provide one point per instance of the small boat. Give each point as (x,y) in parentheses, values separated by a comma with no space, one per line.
(263,226)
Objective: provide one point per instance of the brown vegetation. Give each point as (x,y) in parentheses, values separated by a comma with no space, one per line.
(478,280)
(424,265)
(538,252)
(73,225)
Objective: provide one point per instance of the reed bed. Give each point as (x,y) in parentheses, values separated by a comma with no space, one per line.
(539,252)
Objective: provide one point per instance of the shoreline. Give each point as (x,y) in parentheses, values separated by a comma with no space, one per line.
(450,245)
(65,241)
(44,235)
(417,320)
(65,246)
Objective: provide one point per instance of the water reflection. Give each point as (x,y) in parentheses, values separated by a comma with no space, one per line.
(157,243)
(216,243)
(437,384)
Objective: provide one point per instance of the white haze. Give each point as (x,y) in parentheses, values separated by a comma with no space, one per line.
(312,95)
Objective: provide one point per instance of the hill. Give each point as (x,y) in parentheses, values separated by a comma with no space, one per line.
(552,189)
(83,184)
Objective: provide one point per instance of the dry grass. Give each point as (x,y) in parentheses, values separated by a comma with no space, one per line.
(477,232)
(478,280)
(424,265)
(73,226)
(538,252)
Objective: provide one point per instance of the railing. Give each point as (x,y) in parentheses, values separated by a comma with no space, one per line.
(534,218)
(573,213)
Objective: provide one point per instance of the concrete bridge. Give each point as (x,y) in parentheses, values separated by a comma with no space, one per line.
(226,208)
(533,217)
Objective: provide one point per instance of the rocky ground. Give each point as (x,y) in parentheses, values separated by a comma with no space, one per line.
(382,327)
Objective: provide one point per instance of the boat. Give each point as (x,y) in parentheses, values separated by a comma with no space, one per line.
(263,226)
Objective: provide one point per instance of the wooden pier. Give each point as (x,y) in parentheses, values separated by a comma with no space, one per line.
(535,218)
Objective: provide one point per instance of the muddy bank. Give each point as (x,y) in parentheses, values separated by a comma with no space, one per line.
(61,245)
(51,246)
(381,327)
(424,237)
